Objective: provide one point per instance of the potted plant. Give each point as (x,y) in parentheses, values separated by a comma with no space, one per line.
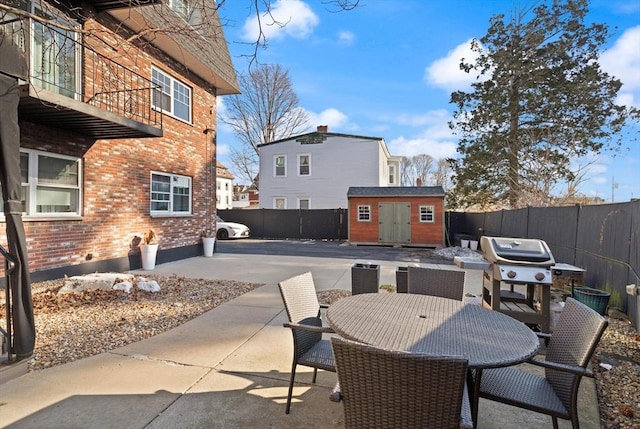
(149,250)
(208,242)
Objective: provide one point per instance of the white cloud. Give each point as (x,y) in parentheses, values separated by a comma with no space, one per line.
(434,138)
(346,38)
(293,18)
(332,117)
(622,60)
(445,72)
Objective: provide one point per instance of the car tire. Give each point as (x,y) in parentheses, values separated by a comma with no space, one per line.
(222,234)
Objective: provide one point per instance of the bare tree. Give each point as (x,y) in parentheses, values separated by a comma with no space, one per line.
(443,174)
(418,167)
(267,110)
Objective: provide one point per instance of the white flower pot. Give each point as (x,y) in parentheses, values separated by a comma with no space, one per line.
(464,243)
(208,244)
(148,254)
(473,244)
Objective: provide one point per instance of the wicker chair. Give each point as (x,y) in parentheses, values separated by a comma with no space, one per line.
(569,350)
(436,282)
(394,389)
(309,349)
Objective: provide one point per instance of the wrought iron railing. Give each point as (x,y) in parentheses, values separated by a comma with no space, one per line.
(60,63)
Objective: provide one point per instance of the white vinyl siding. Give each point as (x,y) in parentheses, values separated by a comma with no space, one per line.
(170,194)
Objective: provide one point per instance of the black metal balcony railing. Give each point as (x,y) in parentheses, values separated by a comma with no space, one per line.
(62,65)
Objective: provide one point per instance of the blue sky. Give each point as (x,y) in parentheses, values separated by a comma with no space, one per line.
(387,69)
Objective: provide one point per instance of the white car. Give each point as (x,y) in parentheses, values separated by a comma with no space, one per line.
(226,230)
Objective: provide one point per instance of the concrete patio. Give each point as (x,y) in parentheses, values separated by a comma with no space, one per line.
(228,368)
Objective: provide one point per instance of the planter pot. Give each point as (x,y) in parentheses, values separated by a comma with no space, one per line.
(464,243)
(473,244)
(595,298)
(148,254)
(208,244)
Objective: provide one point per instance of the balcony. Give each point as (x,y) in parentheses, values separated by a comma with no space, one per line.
(74,87)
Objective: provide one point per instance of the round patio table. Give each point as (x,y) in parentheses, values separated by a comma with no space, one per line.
(435,326)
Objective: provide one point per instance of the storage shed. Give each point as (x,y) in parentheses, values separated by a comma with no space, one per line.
(409,215)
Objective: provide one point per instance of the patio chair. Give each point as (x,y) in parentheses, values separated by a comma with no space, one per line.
(309,349)
(436,282)
(395,389)
(569,350)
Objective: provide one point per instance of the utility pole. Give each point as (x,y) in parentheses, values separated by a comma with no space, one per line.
(614,186)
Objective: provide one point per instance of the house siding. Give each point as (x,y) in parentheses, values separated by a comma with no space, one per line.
(336,164)
(117,175)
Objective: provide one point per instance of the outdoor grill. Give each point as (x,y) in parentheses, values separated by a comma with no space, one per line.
(518,261)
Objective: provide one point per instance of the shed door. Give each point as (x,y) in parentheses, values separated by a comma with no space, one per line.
(394,223)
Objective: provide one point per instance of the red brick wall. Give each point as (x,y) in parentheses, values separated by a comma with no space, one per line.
(421,233)
(116,180)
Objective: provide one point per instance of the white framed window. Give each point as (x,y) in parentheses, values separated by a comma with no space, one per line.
(364,213)
(173,97)
(170,194)
(188,10)
(427,214)
(51,185)
(279,203)
(280,166)
(304,203)
(304,164)
(392,174)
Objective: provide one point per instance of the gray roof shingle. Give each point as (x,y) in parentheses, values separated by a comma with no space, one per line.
(393,191)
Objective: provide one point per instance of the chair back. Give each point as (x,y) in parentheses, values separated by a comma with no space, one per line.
(395,389)
(573,342)
(299,297)
(436,282)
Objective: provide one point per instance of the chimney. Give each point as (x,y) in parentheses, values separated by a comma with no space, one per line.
(418,182)
(323,128)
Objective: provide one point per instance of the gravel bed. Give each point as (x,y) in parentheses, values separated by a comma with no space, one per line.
(75,326)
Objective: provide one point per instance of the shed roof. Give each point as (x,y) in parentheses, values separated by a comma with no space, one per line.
(395,191)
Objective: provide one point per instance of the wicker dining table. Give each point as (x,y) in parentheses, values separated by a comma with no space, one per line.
(435,326)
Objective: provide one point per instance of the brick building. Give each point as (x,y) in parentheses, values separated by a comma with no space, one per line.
(117,128)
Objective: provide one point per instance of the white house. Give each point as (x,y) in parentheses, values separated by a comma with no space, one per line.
(315,170)
(224,187)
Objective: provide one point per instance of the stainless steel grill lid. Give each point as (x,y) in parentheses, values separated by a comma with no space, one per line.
(517,251)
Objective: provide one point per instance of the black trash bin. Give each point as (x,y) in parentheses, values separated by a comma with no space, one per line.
(402,278)
(365,278)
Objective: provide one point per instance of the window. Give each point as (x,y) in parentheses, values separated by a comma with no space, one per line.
(173,97)
(279,203)
(392,174)
(181,7)
(364,213)
(280,163)
(304,163)
(427,213)
(188,11)
(303,204)
(50,184)
(170,194)
(53,49)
